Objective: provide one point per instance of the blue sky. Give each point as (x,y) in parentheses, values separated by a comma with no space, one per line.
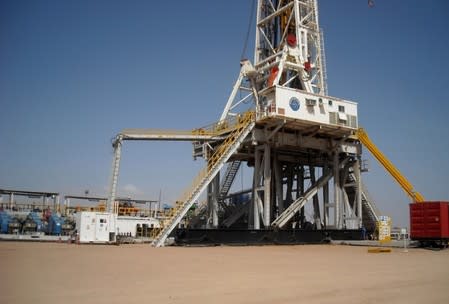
(73,74)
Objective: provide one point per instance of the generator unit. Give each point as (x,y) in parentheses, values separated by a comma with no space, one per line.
(33,223)
(55,224)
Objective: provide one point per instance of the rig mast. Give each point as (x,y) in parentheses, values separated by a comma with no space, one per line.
(301,135)
(280,121)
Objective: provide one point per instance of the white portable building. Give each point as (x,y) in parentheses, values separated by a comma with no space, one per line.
(96,227)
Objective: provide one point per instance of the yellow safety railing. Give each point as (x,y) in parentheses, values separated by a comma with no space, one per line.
(223,126)
(388,165)
(239,124)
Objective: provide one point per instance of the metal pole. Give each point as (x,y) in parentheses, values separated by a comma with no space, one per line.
(257,46)
(300,174)
(216,187)
(67,207)
(316,203)
(358,181)
(404,236)
(114,174)
(336,190)
(58,206)
(278,181)
(256,185)
(209,206)
(212,202)
(326,199)
(267,185)
(159,203)
(289,190)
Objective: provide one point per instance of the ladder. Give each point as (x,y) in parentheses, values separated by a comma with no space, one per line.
(370,213)
(223,152)
(323,62)
(388,165)
(229,176)
(228,179)
(288,213)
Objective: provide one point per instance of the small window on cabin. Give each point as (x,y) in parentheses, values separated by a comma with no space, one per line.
(330,103)
(102,221)
(341,109)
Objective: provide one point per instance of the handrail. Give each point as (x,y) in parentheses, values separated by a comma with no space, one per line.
(223,126)
(388,165)
(217,130)
(242,122)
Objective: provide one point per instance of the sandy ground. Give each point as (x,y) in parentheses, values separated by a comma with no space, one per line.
(63,273)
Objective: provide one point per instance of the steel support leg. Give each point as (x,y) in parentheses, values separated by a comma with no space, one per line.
(326,200)
(66,206)
(316,203)
(289,193)
(337,209)
(278,182)
(114,175)
(300,191)
(256,188)
(212,202)
(267,185)
(358,181)
(56,203)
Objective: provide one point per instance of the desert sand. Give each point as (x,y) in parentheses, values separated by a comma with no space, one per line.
(67,273)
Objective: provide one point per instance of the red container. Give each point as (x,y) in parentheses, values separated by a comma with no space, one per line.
(429,220)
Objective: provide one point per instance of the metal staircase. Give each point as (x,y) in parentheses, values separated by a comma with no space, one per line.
(229,176)
(370,213)
(228,179)
(223,152)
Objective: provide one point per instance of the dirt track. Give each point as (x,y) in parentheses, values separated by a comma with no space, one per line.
(61,273)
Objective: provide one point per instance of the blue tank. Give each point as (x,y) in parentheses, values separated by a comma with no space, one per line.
(4,222)
(55,223)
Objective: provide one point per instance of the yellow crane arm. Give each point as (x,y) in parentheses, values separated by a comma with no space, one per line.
(386,163)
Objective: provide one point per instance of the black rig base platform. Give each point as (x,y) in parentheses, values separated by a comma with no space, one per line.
(262,237)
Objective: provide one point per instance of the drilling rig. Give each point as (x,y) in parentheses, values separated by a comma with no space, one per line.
(302,145)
